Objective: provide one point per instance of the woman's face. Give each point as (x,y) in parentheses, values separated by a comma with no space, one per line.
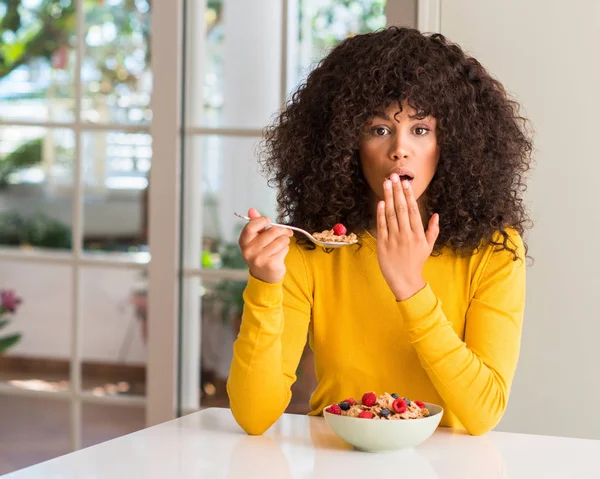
(402,142)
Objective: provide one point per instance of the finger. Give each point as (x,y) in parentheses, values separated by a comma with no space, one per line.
(253,213)
(400,204)
(414,215)
(433,230)
(265,238)
(277,246)
(382,229)
(252,230)
(255,227)
(390,210)
(272,255)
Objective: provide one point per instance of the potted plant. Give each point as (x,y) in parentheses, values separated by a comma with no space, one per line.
(38,230)
(9,302)
(230,292)
(25,156)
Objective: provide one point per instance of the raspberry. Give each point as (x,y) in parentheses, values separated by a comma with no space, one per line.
(344,406)
(350,401)
(369,399)
(366,415)
(421,404)
(399,406)
(384,412)
(339,230)
(334,409)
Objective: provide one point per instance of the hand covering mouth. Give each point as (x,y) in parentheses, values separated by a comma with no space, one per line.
(403,173)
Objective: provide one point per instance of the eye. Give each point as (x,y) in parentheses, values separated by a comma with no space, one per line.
(380,131)
(421,130)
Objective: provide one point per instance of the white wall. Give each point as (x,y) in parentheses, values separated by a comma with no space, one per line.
(44,318)
(546,53)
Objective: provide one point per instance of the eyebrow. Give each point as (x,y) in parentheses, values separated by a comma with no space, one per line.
(420,115)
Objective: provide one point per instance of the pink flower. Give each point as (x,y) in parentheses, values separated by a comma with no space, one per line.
(60,58)
(9,301)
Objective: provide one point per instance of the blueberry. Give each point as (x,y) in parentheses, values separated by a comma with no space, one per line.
(407,402)
(395,396)
(384,412)
(344,406)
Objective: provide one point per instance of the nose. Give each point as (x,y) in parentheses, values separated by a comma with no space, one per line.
(398,147)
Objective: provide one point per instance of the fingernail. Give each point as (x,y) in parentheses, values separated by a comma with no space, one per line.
(395,178)
(387,184)
(406,184)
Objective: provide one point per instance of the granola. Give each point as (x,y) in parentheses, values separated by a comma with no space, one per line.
(387,407)
(337,234)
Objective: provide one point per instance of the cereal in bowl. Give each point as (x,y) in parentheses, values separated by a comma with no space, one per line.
(384,407)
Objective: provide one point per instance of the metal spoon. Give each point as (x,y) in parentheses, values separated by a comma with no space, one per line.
(324,244)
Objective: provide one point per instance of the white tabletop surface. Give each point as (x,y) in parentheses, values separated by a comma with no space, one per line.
(209,444)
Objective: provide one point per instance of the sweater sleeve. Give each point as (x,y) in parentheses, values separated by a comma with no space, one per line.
(269,346)
(473,376)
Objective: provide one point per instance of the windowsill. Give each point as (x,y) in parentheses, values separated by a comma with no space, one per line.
(57,256)
(66,192)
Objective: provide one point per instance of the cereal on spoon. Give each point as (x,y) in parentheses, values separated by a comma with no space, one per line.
(336,235)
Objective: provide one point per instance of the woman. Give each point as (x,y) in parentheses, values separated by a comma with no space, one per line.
(410,143)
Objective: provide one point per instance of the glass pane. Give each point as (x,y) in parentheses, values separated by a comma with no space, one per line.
(221,300)
(222,176)
(33,430)
(234,65)
(324,23)
(103,422)
(116,69)
(210,318)
(115,170)
(217,305)
(114,331)
(37,310)
(36,60)
(36,175)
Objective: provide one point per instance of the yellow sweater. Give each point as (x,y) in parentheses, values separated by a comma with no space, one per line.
(455,343)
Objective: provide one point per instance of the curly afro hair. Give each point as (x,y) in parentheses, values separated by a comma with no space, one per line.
(310,152)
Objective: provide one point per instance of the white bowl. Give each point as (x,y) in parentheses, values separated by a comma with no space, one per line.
(375,436)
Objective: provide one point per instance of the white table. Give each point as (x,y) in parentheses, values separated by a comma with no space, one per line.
(209,444)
